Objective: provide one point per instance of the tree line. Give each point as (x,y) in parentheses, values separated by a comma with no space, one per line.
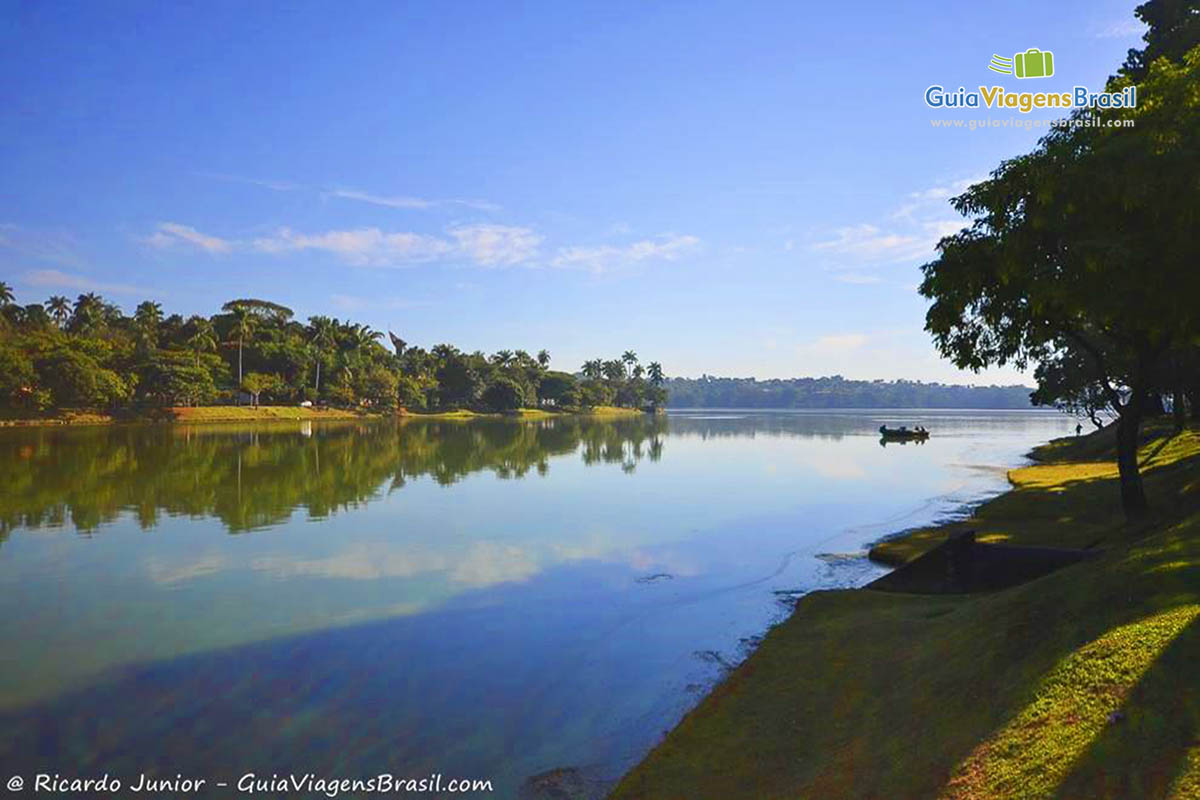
(837,392)
(88,353)
(1081,257)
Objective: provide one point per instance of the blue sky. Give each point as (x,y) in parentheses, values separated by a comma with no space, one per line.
(733,188)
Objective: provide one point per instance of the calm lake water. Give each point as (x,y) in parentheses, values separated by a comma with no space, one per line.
(488,599)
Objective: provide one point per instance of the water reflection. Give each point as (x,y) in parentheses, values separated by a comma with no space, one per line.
(489,598)
(252,477)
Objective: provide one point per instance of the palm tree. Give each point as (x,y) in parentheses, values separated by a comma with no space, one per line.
(322,332)
(592,369)
(90,300)
(147,318)
(630,358)
(59,308)
(503,358)
(638,372)
(244,324)
(203,338)
(6,294)
(353,341)
(87,311)
(614,370)
(543,358)
(656,373)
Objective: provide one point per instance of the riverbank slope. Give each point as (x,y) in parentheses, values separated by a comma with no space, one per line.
(1080,684)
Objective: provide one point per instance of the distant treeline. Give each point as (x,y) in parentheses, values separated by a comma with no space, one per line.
(88,353)
(837,392)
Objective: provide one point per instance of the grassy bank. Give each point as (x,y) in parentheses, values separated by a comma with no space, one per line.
(530,413)
(1082,684)
(188,414)
(203,414)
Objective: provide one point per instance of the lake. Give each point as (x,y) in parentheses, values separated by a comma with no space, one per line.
(484,599)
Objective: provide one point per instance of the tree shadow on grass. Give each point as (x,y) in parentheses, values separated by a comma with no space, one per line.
(1148,748)
(1110,720)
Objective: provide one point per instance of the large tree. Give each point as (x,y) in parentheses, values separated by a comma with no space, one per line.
(1086,243)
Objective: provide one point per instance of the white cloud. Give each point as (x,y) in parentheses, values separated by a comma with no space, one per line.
(388,201)
(947,190)
(485,244)
(496,245)
(395,201)
(361,246)
(944,227)
(170,234)
(911,233)
(482,244)
(54,278)
(868,243)
(603,258)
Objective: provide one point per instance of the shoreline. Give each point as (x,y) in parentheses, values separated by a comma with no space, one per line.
(193,415)
(869,692)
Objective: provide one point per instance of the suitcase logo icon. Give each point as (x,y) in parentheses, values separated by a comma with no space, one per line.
(1033,63)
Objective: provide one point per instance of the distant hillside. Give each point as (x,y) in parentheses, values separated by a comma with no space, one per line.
(837,392)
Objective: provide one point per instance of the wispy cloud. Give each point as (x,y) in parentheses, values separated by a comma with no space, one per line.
(404,201)
(480,244)
(1121,29)
(496,245)
(172,234)
(604,258)
(909,233)
(56,279)
(484,245)
(867,243)
(393,201)
(399,201)
(360,246)
(55,247)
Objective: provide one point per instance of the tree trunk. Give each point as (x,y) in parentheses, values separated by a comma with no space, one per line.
(317,389)
(239,387)
(1177,410)
(1133,494)
(1193,397)
(1152,405)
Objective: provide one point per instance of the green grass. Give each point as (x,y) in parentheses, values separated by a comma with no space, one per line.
(13,418)
(207,414)
(864,694)
(1069,499)
(248,414)
(529,413)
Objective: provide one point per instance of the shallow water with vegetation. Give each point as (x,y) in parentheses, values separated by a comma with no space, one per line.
(487,598)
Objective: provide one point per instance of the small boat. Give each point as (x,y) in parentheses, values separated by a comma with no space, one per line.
(902,433)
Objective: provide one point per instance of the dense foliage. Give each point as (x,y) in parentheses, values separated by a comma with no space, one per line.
(1082,255)
(837,392)
(87,353)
